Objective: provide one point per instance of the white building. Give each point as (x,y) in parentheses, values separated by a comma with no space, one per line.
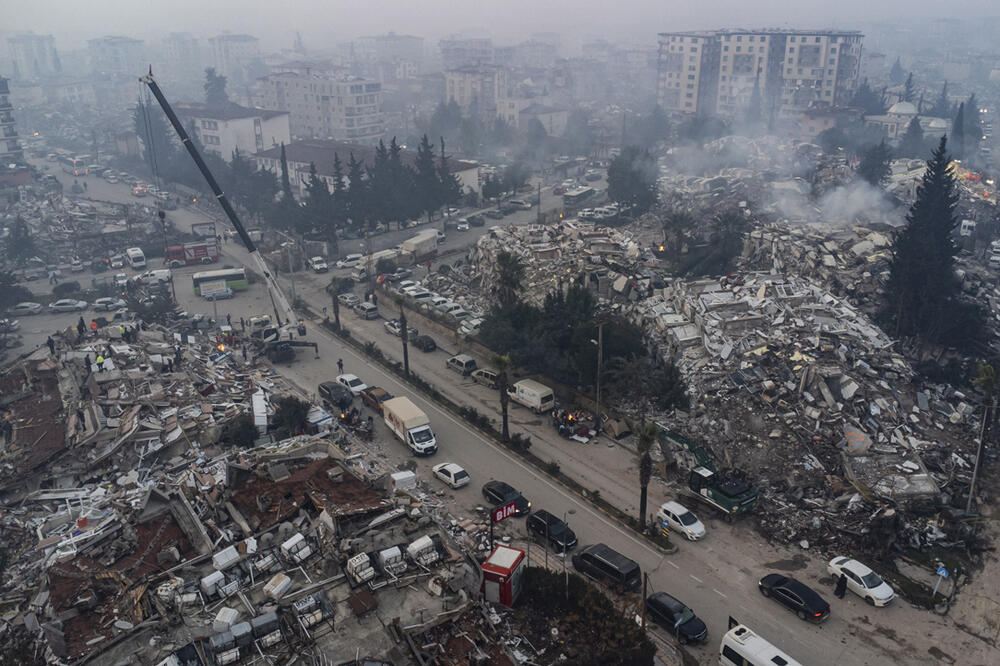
(459,52)
(224,130)
(34,56)
(116,56)
(231,54)
(324,103)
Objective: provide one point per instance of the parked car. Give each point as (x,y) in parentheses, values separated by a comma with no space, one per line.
(117,261)
(494,214)
(592,176)
(681,520)
(25,308)
(373,397)
(9,325)
(335,395)
(353,383)
(437,301)
(498,493)
(547,526)
(395,327)
(424,343)
(452,474)
(520,203)
(398,275)
(470,326)
(795,596)
(403,285)
(441,236)
(318,264)
(486,376)
(120,279)
(462,225)
(68,305)
(463,364)
(76,266)
(108,304)
(601,562)
(862,581)
(676,618)
(460,314)
(350,261)
(218,294)
(366,311)
(348,300)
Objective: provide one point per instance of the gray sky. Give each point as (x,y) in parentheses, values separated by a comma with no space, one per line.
(507,21)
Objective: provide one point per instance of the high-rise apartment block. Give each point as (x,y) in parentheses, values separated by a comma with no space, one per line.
(34,56)
(477,88)
(116,56)
(459,52)
(10,148)
(324,103)
(232,53)
(716,72)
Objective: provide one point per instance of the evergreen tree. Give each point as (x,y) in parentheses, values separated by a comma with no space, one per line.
(20,244)
(958,132)
(286,181)
(632,180)
(427,188)
(215,88)
(912,144)
(869,101)
(972,126)
(449,187)
(908,89)
(874,166)
(896,73)
(318,206)
(941,108)
(921,298)
(338,199)
(357,193)
(159,150)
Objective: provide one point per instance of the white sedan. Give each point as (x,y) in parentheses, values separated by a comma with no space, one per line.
(452,474)
(352,382)
(862,581)
(68,305)
(681,520)
(108,304)
(26,308)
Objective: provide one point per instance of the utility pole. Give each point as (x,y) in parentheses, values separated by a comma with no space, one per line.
(539,203)
(600,357)
(645,580)
(291,270)
(979,454)
(404,335)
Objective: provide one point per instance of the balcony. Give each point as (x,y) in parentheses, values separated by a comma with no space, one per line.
(9,132)
(6,118)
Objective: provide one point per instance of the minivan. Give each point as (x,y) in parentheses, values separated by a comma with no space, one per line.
(603,563)
(366,310)
(486,376)
(463,364)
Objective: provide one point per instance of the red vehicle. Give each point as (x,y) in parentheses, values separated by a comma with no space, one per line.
(202,252)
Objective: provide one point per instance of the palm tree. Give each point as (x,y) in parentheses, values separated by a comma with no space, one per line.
(337,287)
(502,363)
(647,436)
(509,278)
(404,336)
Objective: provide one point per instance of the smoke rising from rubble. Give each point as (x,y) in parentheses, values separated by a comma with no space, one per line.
(841,207)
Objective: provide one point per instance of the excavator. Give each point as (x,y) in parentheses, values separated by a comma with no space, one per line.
(278,343)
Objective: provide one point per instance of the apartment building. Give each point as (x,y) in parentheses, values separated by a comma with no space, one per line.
(457,52)
(116,56)
(33,57)
(10,147)
(231,54)
(324,103)
(224,130)
(477,87)
(716,72)
(183,52)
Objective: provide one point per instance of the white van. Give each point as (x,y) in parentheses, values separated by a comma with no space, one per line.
(741,647)
(350,261)
(135,257)
(359,274)
(160,275)
(535,396)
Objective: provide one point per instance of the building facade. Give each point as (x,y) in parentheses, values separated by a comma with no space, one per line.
(785,71)
(231,54)
(10,146)
(224,130)
(115,56)
(183,51)
(477,87)
(457,52)
(324,103)
(33,56)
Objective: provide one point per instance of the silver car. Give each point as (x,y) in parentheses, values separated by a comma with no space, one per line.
(26,308)
(68,305)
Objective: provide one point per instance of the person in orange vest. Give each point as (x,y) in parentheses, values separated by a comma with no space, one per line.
(93,327)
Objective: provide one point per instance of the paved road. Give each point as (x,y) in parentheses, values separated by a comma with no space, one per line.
(717,576)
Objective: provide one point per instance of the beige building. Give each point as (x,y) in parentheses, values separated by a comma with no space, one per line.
(223,130)
(114,55)
(479,87)
(716,72)
(324,103)
(33,56)
(231,54)
(552,118)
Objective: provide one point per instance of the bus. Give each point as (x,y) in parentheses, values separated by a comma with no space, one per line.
(236,279)
(742,647)
(135,257)
(76,166)
(577,197)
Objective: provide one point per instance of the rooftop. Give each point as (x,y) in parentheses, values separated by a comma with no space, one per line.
(321,153)
(230,112)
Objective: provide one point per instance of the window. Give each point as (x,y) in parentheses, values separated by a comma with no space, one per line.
(739,38)
(725,48)
(732,656)
(690,77)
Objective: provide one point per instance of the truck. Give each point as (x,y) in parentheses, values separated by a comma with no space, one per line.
(409,423)
(421,247)
(198,252)
(535,396)
(728,492)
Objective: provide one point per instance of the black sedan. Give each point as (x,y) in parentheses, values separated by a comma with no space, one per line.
(499,493)
(424,343)
(545,525)
(335,395)
(676,618)
(795,596)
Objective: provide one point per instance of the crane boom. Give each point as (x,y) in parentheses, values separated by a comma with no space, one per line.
(282,308)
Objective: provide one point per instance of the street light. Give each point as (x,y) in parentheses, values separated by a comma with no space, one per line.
(564,553)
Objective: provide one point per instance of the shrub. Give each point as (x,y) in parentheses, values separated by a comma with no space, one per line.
(519,442)
(552,467)
(241,432)
(372,350)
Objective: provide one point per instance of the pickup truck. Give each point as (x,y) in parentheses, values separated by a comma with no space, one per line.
(373,397)
(409,423)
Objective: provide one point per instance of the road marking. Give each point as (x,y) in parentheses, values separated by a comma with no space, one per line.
(718,593)
(672,564)
(695,578)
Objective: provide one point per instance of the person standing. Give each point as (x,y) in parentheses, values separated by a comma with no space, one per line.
(100,363)
(229,320)
(52,346)
(93,327)
(841,588)
(340,366)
